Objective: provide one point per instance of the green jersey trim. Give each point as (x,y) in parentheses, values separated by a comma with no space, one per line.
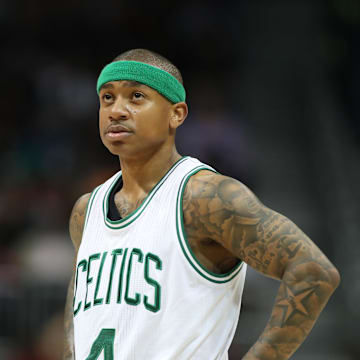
(89,205)
(184,243)
(127,220)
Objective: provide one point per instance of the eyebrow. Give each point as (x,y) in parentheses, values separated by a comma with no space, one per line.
(127,83)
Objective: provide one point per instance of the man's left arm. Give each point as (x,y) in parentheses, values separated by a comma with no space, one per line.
(229,213)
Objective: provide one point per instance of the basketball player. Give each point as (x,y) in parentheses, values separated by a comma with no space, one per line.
(162,246)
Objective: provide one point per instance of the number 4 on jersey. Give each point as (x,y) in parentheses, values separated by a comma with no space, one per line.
(105,341)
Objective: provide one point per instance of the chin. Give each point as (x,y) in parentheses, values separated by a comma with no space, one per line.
(121,150)
(115,149)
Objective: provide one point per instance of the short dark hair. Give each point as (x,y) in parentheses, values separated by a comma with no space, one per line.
(151,58)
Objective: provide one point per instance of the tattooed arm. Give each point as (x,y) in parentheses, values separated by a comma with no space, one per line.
(224,210)
(76,226)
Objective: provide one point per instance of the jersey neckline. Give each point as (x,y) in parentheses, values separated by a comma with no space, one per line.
(127,220)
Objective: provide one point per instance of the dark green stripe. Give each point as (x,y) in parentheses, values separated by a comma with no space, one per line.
(89,205)
(135,214)
(193,258)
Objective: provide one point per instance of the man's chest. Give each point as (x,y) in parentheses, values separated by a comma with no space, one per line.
(208,252)
(125,205)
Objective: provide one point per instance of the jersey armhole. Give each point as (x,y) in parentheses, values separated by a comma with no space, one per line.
(184,243)
(89,206)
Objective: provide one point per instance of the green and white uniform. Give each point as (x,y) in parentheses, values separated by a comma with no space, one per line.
(140,293)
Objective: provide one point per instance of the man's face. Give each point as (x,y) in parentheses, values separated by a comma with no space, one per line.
(133,118)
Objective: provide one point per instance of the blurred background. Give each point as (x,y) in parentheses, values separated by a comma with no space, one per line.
(273,89)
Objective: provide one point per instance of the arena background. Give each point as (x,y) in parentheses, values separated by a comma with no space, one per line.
(273,91)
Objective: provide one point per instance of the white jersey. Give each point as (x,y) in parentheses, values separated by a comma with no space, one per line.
(140,293)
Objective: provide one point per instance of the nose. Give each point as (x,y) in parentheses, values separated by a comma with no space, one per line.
(119,110)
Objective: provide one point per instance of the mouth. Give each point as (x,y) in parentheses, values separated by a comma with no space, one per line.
(117,132)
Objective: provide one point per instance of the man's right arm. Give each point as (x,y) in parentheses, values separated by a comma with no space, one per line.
(76,226)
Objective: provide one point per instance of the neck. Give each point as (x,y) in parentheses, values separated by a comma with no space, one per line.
(142,173)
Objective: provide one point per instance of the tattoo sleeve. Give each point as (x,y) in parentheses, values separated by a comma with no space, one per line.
(226,211)
(76,226)
(68,323)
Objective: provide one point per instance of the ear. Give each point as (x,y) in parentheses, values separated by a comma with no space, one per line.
(178,114)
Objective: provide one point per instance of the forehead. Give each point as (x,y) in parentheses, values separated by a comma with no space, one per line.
(124,83)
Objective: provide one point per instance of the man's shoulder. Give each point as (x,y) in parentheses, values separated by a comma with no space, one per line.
(81,203)
(213,198)
(77,219)
(205,183)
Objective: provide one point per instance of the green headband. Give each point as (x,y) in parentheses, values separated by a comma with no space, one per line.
(160,80)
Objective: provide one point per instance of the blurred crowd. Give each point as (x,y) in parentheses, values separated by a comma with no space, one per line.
(50,150)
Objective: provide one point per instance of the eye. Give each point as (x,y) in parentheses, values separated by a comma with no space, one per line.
(107,97)
(138,95)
